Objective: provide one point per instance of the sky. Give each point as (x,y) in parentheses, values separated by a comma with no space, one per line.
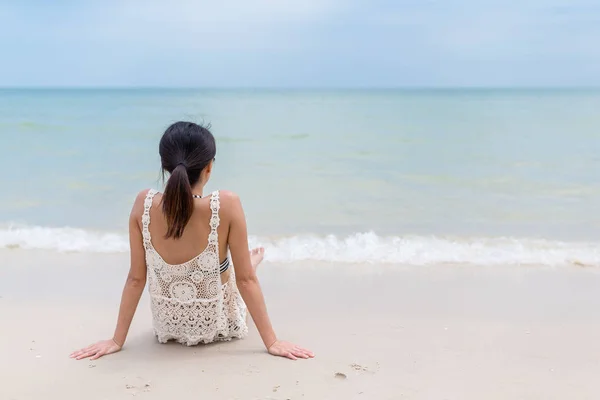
(299,43)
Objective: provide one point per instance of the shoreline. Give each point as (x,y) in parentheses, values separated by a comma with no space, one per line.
(367,248)
(378,332)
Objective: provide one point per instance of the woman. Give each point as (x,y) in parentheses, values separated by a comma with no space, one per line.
(180,242)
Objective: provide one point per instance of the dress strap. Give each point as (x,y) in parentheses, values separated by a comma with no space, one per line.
(215,205)
(146,217)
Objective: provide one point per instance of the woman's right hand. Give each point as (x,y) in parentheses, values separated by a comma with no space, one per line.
(97,350)
(289,350)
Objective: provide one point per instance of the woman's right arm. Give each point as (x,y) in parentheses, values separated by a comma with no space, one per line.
(134,286)
(248,284)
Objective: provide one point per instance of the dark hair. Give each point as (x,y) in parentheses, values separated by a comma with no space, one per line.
(185,150)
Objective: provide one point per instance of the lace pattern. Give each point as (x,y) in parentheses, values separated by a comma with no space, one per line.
(189,304)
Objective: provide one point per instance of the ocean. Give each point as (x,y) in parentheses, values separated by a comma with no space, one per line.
(416,177)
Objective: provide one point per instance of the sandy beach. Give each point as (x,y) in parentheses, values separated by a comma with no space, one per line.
(393,332)
(423,176)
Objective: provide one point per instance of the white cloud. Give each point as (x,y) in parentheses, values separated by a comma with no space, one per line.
(226,11)
(194,25)
(498,29)
(291,42)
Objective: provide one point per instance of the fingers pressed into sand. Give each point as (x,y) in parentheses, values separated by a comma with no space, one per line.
(299,352)
(85,355)
(80,352)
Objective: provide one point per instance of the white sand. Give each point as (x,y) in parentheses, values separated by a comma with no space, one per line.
(394,332)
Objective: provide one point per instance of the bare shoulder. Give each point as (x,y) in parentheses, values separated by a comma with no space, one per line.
(228,196)
(230,202)
(138,205)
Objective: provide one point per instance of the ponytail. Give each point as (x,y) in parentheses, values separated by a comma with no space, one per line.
(177,202)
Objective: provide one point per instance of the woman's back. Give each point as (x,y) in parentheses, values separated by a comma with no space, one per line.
(188,300)
(195,238)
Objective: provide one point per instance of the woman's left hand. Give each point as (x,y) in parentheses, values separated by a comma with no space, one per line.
(289,350)
(97,350)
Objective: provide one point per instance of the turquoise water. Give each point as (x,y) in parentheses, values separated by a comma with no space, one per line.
(380,170)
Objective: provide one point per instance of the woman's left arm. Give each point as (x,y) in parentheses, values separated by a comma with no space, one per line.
(132,292)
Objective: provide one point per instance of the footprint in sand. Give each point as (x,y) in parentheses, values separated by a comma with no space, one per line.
(361,368)
(340,375)
(137,386)
(358,367)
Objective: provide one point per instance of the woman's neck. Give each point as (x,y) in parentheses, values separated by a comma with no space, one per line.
(198,189)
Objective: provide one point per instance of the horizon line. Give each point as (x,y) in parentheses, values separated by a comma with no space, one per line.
(306,88)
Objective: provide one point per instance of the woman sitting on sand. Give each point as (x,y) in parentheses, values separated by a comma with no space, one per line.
(180,240)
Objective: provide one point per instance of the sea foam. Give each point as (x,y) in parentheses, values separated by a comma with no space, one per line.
(364,248)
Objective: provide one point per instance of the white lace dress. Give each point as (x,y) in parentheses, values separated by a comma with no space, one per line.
(189,303)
